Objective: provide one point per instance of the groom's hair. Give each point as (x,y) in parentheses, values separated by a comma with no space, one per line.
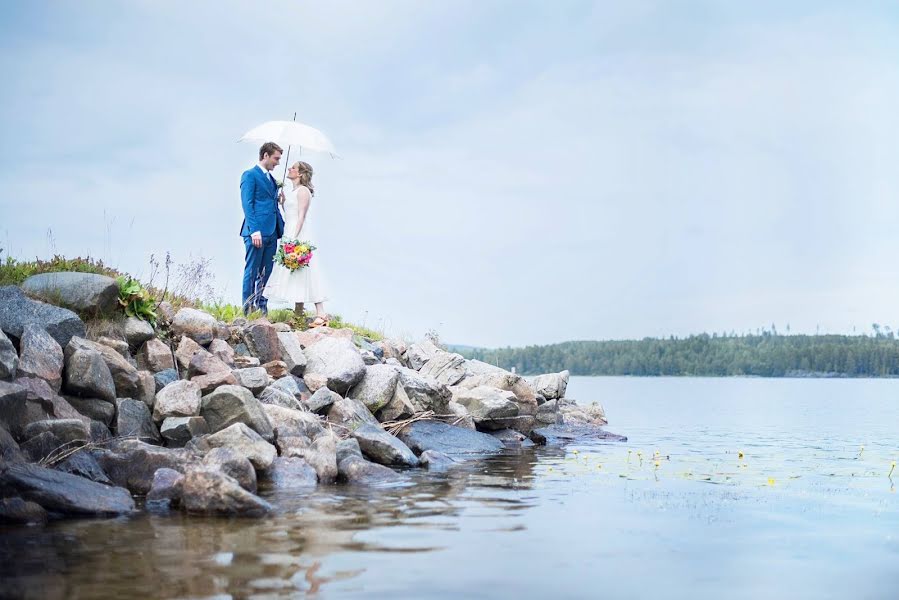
(269,148)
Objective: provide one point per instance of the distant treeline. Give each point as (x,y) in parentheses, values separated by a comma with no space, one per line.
(767,355)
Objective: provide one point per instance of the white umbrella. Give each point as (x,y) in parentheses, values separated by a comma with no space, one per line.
(292,134)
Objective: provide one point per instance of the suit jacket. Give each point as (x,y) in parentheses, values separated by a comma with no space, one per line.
(259,197)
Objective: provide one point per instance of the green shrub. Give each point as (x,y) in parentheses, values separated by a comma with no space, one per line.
(136,301)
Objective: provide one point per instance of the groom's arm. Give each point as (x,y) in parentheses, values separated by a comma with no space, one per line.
(248,200)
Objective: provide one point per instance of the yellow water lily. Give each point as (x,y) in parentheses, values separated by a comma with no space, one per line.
(740,455)
(770,481)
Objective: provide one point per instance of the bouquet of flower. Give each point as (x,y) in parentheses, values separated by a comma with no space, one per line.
(293,254)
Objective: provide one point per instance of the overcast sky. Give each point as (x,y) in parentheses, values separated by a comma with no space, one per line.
(513,172)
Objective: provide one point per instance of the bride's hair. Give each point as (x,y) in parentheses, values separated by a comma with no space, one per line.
(305,170)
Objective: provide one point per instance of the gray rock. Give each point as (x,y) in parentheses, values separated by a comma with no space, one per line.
(377,387)
(489,407)
(83,292)
(262,340)
(194,324)
(555,434)
(232,404)
(337,360)
(435,461)
(9,359)
(13,415)
(164,378)
(185,352)
(146,388)
(292,353)
(448,439)
(133,419)
(177,431)
(357,470)
(87,375)
(245,441)
(348,447)
(179,399)
(155,356)
(120,346)
(321,401)
(165,490)
(9,449)
(99,432)
(512,438)
(349,414)
(17,311)
(552,385)
(165,312)
(68,431)
(83,464)
(418,354)
(124,374)
(64,493)
(42,402)
(399,407)
(132,463)
(425,393)
(278,397)
(254,379)
(222,351)
(93,408)
(234,464)
(462,416)
(447,368)
(17,510)
(138,332)
(293,385)
(381,447)
(287,422)
(369,358)
(214,493)
(321,454)
(287,473)
(213,381)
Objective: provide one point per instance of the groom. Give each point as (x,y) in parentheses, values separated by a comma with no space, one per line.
(262,226)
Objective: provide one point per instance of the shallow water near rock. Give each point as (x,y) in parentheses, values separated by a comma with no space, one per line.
(807,511)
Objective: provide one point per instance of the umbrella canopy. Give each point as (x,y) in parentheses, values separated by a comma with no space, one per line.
(291,133)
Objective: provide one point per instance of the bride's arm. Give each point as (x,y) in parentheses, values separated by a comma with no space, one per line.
(303,198)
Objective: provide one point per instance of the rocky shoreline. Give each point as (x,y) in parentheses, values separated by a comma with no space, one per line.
(195,414)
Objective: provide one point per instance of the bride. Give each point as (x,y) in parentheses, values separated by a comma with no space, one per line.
(302,285)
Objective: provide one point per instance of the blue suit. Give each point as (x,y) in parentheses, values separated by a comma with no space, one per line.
(259,197)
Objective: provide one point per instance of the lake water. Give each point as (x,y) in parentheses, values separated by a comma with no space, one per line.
(807,512)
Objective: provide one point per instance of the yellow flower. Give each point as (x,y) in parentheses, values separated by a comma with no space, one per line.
(740,454)
(770,481)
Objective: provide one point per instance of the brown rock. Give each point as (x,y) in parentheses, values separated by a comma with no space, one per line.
(276,368)
(155,356)
(208,383)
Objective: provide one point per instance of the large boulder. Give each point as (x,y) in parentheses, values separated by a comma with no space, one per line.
(155,356)
(448,439)
(185,352)
(447,368)
(65,493)
(13,409)
(222,351)
(425,393)
(262,340)
(17,310)
(245,441)
(338,361)
(88,293)
(213,381)
(93,408)
(194,324)
(481,373)
(377,387)
(292,353)
(320,453)
(22,512)
(231,462)
(383,448)
(9,449)
(137,332)
(83,464)
(177,431)
(205,363)
(44,403)
(321,401)
(179,399)
(232,404)
(215,493)
(278,397)
(288,423)
(166,488)
(124,375)
(399,407)
(87,375)
(348,414)
(490,407)
(552,385)
(67,431)
(133,419)
(356,470)
(9,359)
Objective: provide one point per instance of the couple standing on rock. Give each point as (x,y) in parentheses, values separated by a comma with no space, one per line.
(263,225)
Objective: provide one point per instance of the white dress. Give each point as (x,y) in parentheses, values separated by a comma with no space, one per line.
(303,285)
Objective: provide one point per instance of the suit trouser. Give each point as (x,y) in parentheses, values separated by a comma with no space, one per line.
(258,263)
